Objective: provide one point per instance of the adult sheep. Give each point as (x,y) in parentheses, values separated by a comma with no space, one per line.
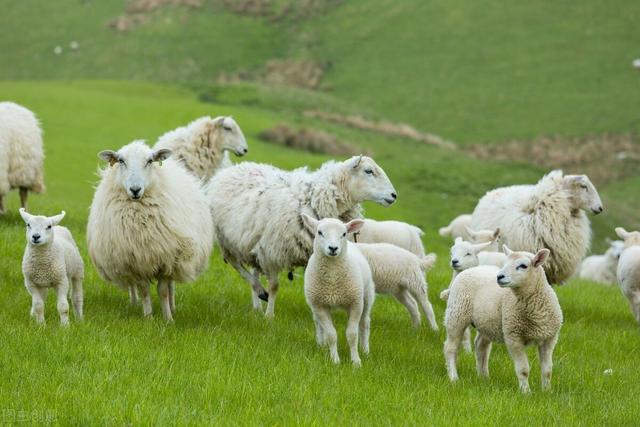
(549,214)
(21,155)
(256,212)
(203,145)
(149,220)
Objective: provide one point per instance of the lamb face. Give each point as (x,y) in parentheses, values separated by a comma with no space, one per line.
(369,182)
(464,255)
(584,193)
(630,238)
(40,228)
(521,267)
(331,234)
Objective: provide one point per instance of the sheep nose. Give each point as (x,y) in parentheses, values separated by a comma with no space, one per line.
(454,262)
(333,249)
(394,195)
(135,191)
(500,277)
(245,150)
(35,238)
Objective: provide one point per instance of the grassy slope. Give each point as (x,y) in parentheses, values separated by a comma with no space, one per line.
(222,363)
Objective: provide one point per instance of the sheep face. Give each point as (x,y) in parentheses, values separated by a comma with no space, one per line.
(331,234)
(134,165)
(522,268)
(464,254)
(231,136)
(369,182)
(584,193)
(40,228)
(631,238)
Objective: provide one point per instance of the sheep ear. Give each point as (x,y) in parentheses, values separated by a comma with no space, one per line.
(357,162)
(540,257)
(480,246)
(608,241)
(55,220)
(109,156)
(506,250)
(309,222)
(354,225)
(25,215)
(161,155)
(622,233)
(217,122)
(496,233)
(458,240)
(471,231)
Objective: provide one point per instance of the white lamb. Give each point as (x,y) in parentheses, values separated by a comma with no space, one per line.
(149,220)
(514,305)
(338,276)
(256,212)
(628,272)
(21,155)
(457,227)
(397,233)
(549,214)
(400,273)
(51,260)
(602,268)
(203,145)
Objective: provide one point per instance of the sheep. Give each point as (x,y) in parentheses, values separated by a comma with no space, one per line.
(338,276)
(397,233)
(548,214)
(628,272)
(203,145)
(256,212)
(514,305)
(149,220)
(457,227)
(602,268)
(400,273)
(21,154)
(51,260)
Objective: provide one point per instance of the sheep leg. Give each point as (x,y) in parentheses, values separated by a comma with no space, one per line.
(483,350)
(1,204)
(320,339)
(24,194)
(521,363)
(451,347)
(466,339)
(77,295)
(365,325)
(37,302)
(273,293)
(331,337)
(634,303)
(143,289)
(163,293)
(172,297)
(255,284)
(62,290)
(355,314)
(257,304)
(407,300)
(545,354)
(427,308)
(133,295)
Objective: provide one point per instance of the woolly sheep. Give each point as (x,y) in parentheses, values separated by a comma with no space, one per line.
(256,212)
(338,276)
(602,268)
(457,227)
(21,155)
(149,220)
(397,233)
(400,273)
(548,214)
(514,305)
(51,260)
(203,145)
(628,272)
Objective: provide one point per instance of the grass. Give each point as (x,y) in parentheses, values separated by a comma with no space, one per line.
(221,363)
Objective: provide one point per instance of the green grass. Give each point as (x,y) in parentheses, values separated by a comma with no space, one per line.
(220,362)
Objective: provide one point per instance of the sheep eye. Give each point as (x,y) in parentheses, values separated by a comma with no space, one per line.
(522,267)
(584,187)
(121,161)
(28,225)
(49,227)
(344,234)
(149,162)
(320,233)
(468,254)
(368,171)
(227,128)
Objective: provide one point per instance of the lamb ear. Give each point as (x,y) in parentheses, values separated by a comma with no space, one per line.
(480,246)
(309,222)
(470,231)
(506,250)
(540,257)
(354,225)
(496,233)
(161,155)
(55,220)
(622,233)
(357,162)
(25,215)
(109,156)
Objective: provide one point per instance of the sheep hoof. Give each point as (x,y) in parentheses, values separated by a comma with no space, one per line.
(264,296)
(290,276)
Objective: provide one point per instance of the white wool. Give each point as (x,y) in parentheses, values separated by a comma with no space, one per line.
(602,268)
(628,272)
(397,233)
(457,227)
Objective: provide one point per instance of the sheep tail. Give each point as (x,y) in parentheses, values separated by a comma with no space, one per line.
(444,295)
(428,261)
(445,231)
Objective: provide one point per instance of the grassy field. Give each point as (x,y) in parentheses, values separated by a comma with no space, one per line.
(220,362)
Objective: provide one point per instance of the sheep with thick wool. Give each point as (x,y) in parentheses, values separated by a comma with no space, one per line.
(149,221)
(338,276)
(203,145)
(400,273)
(549,214)
(602,268)
(628,272)
(397,233)
(256,212)
(21,154)
(514,305)
(51,260)
(457,227)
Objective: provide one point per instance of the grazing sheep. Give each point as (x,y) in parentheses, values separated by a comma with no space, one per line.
(514,305)
(400,273)
(21,155)
(397,233)
(51,260)
(256,212)
(203,145)
(149,220)
(457,228)
(338,276)
(629,269)
(602,268)
(549,214)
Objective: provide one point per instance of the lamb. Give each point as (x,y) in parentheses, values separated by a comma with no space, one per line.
(203,145)
(149,220)
(602,268)
(514,305)
(338,275)
(628,272)
(549,214)
(256,212)
(457,227)
(397,233)
(21,155)
(400,273)
(51,260)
